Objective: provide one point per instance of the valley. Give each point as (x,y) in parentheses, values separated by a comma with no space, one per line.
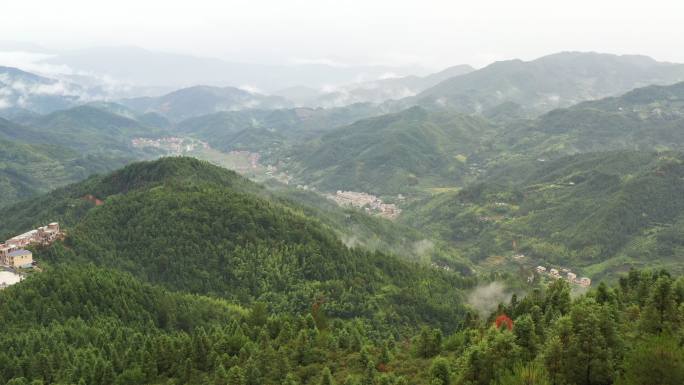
(520,223)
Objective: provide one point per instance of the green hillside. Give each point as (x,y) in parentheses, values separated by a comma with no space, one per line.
(644,119)
(358,229)
(190,226)
(600,211)
(50,151)
(93,130)
(97,326)
(269,131)
(30,169)
(394,153)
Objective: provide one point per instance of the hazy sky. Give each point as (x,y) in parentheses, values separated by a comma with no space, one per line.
(433,33)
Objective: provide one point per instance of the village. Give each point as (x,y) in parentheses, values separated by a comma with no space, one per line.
(173,145)
(564,272)
(370,203)
(14,256)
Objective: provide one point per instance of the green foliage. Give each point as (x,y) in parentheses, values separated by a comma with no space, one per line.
(29,169)
(270,132)
(64,147)
(326,377)
(83,324)
(428,343)
(530,374)
(654,361)
(190,226)
(440,374)
(393,153)
(579,210)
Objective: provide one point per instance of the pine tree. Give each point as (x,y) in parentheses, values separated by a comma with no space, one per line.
(603,294)
(589,356)
(385,354)
(369,375)
(236,376)
(351,380)
(326,377)
(221,376)
(440,372)
(365,356)
(660,313)
(658,360)
(525,336)
(291,379)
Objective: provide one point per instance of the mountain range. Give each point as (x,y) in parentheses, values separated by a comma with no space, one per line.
(550,82)
(203,100)
(141,67)
(516,224)
(376,91)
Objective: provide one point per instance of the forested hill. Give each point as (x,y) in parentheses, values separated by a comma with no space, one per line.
(31,162)
(650,118)
(395,153)
(603,212)
(70,203)
(194,227)
(90,129)
(86,325)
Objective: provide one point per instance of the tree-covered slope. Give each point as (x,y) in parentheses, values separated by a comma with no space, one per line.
(190,226)
(63,147)
(650,118)
(81,324)
(30,169)
(270,130)
(93,130)
(607,210)
(394,153)
(68,204)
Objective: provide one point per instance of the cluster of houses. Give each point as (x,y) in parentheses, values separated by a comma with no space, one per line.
(563,272)
(370,203)
(441,266)
(251,157)
(13,253)
(172,144)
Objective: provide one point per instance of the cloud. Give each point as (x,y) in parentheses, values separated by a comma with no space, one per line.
(388,75)
(423,247)
(350,241)
(94,86)
(32,62)
(318,61)
(19,90)
(251,89)
(485,298)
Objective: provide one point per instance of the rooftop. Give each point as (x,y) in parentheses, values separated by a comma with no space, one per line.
(19,253)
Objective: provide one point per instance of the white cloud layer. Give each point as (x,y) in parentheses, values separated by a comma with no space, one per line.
(436,33)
